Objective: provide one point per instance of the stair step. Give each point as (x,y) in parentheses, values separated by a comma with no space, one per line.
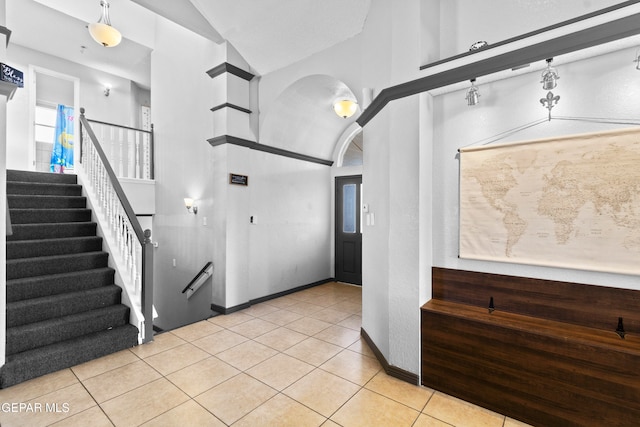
(40,216)
(51,231)
(34,335)
(48,307)
(49,247)
(44,360)
(24,201)
(38,266)
(39,188)
(54,284)
(46,177)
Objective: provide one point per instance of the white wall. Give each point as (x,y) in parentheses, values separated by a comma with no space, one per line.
(602,87)
(180,103)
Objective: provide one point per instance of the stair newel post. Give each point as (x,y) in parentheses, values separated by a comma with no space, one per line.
(147,286)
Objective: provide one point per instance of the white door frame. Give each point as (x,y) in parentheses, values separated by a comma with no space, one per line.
(33,70)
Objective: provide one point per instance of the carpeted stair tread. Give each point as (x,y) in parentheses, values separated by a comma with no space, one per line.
(48,307)
(30,267)
(39,188)
(37,216)
(33,335)
(43,177)
(52,231)
(23,201)
(47,247)
(54,284)
(43,360)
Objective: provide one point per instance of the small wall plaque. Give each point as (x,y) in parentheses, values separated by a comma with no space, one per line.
(11,75)
(238,179)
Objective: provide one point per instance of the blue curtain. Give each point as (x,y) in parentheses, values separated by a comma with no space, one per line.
(62,154)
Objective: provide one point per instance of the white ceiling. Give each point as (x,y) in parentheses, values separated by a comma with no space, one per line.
(269,34)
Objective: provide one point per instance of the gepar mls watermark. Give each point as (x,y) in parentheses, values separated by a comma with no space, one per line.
(34,407)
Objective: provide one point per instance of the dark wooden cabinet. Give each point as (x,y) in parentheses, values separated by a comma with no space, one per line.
(548,355)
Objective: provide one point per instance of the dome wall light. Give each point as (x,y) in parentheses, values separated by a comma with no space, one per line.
(345,108)
(102,31)
(473,94)
(549,77)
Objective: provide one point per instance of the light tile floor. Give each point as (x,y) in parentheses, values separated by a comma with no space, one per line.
(293,361)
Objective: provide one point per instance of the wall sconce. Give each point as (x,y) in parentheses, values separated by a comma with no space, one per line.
(102,31)
(345,108)
(191,208)
(637,60)
(473,94)
(549,77)
(107,90)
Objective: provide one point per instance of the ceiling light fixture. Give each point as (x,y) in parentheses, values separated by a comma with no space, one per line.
(549,77)
(345,108)
(473,94)
(102,31)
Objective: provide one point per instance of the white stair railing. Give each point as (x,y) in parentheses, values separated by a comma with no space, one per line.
(129,245)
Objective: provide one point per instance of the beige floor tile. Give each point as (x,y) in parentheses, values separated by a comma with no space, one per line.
(260,310)
(196,330)
(144,403)
(50,408)
(93,417)
(220,341)
(120,380)
(427,421)
(410,395)
(510,422)
(282,302)
(369,409)
(313,351)
(254,328)
(280,371)
(281,338)
(104,364)
(362,347)
(228,320)
(354,322)
(247,354)
(281,317)
(352,366)
(330,315)
(305,308)
(344,337)
(281,411)
(308,326)
(330,423)
(348,307)
(201,376)
(160,343)
(321,391)
(460,413)
(188,414)
(235,398)
(176,358)
(38,387)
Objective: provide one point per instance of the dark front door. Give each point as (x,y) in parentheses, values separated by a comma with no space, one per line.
(348,229)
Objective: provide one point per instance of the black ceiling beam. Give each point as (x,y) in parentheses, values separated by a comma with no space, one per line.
(594,36)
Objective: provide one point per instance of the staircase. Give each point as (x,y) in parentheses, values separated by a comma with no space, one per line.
(63,307)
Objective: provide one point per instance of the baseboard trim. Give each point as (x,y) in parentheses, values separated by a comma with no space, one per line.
(224,310)
(391,370)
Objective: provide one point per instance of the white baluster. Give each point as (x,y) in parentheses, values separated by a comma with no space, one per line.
(137,154)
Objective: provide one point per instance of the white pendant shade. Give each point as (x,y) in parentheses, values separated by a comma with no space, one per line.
(105,34)
(102,31)
(345,108)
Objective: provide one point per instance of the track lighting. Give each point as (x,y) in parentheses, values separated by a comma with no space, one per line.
(473,94)
(549,77)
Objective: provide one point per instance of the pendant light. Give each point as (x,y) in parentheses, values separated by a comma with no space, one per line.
(102,31)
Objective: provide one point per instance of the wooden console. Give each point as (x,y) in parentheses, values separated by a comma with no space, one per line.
(548,354)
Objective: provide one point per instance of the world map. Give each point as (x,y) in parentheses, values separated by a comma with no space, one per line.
(565,202)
